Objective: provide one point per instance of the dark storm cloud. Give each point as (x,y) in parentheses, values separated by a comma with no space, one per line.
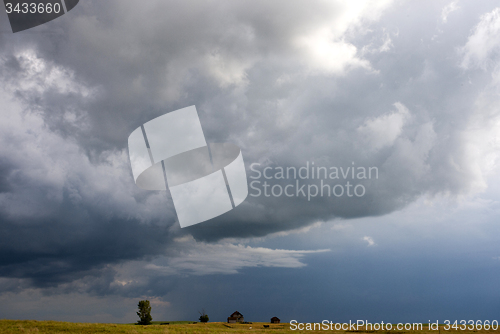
(309,83)
(51,252)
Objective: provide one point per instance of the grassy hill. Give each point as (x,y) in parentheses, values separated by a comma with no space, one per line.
(188,327)
(178,327)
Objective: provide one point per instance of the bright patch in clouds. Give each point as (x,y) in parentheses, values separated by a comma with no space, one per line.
(383,130)
(326,48)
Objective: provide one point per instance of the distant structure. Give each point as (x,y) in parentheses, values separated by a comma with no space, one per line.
(235,317)
(275,320)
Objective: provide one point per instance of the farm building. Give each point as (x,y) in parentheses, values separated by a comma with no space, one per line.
(275,320)
(236,317)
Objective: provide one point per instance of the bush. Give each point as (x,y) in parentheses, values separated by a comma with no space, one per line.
(203,316)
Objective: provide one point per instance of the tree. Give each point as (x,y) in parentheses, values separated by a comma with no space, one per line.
(144,313)
(203,316)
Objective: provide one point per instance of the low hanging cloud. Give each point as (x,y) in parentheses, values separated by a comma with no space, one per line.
(203,259)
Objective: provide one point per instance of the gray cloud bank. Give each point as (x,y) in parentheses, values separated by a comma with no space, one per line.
(393,85)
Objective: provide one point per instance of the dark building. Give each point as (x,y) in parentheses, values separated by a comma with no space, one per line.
(275,320)
(236,317)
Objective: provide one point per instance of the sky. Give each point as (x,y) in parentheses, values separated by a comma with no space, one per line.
(410,89)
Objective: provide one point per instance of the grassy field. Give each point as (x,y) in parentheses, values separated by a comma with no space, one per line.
(176,327)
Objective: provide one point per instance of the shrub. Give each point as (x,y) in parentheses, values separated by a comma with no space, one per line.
(203,316)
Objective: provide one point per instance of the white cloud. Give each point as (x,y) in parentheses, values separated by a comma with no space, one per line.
(482,47)
(482,136)
(387,44)
(196,258)
(384,45)
(369,240)
(382,131)
(341,226)
(39,75)
(325,47)
(301,230)
(482,133)
(188,257)
(326,55)
(451,7)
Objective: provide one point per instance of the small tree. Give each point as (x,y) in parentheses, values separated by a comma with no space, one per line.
(203,316)
(144,313)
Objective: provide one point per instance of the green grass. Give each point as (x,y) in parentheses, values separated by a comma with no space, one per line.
(176,327)
(170,322)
